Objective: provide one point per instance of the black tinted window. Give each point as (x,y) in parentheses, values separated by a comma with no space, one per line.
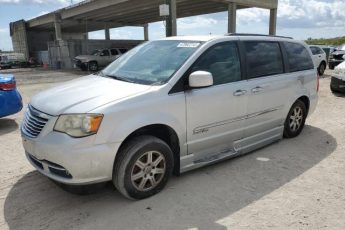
(222,61)
(298,57)
(105,53)
(263,59)
(123,50)
(314,50)
(114,52)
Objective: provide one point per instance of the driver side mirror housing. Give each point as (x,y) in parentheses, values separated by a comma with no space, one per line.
(200,79)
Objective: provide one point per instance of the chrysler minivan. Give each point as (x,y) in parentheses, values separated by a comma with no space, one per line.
(169,106)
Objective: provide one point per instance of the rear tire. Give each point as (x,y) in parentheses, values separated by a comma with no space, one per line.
(143,167)
(322,68)
(295,120)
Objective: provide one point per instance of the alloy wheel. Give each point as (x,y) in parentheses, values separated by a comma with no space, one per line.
(296,119)
(148,170)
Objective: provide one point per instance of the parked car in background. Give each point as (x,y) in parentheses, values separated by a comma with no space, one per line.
(98,58)
(5,65)
(10,98)
(171,105)
(336,57)
(328,50)
(338,78)
(319,59)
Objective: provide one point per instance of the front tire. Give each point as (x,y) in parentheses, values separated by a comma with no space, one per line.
(93,66)
(295,120)
(143,167)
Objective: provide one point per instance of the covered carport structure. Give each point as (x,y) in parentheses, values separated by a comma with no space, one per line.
(76,21)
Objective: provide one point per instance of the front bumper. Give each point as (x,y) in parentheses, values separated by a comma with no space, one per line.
(337,84)
(79,64)
(74,161)
(334,62)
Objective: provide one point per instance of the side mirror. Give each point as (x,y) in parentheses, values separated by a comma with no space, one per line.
(200,79)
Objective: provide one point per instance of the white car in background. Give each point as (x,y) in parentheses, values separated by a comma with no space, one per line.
(338,78)
(319,58)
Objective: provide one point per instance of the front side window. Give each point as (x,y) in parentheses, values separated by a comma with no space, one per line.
(263,58)
(114,52)
(298,57)
(152,62)
(222,61)
(105,53)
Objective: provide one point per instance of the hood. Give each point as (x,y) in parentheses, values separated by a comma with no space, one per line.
(84,57)
(338,52)
(339,71)
(84,94)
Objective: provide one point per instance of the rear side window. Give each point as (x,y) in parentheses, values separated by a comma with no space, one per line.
(298,57)
(263,58)
(223,61)
(314,50)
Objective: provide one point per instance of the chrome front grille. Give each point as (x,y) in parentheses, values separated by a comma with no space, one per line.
(34,121)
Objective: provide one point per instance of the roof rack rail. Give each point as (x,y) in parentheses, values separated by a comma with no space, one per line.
(261,35)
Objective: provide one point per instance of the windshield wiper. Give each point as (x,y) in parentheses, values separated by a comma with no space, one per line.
(119,78)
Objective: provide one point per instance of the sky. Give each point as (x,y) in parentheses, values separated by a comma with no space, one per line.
(300,19)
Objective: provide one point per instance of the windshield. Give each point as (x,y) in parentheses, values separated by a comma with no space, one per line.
(342,47)
(96,52)
(152,62)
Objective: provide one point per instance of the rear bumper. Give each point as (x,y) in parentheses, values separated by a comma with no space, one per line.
(10,102)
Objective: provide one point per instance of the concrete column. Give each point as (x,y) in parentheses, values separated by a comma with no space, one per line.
(146,32)
(171,25)
(57,25)
(173,18)
(273,22)
(232,8)
(107,34)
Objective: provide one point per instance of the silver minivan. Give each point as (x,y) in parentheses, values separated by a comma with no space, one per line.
(169,106)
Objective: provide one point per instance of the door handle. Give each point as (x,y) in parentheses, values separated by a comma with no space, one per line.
(257,89)
(239,92)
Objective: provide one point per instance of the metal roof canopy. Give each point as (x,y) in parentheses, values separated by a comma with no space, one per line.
(92,15)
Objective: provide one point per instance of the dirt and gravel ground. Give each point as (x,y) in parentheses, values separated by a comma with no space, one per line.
(293,184)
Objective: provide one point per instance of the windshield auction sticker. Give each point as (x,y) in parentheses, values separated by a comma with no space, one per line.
(188,44)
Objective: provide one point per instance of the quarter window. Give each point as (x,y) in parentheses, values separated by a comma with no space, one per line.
(263,59)
(222,61)
(298,57)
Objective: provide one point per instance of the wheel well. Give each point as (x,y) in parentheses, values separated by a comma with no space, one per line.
(323,62)
(306,101)
(163,132)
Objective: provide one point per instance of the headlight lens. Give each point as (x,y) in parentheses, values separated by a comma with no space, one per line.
(78,125)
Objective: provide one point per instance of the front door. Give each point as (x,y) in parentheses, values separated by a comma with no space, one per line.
(215,114)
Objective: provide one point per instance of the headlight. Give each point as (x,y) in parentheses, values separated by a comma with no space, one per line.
(78,125)
(339,71)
